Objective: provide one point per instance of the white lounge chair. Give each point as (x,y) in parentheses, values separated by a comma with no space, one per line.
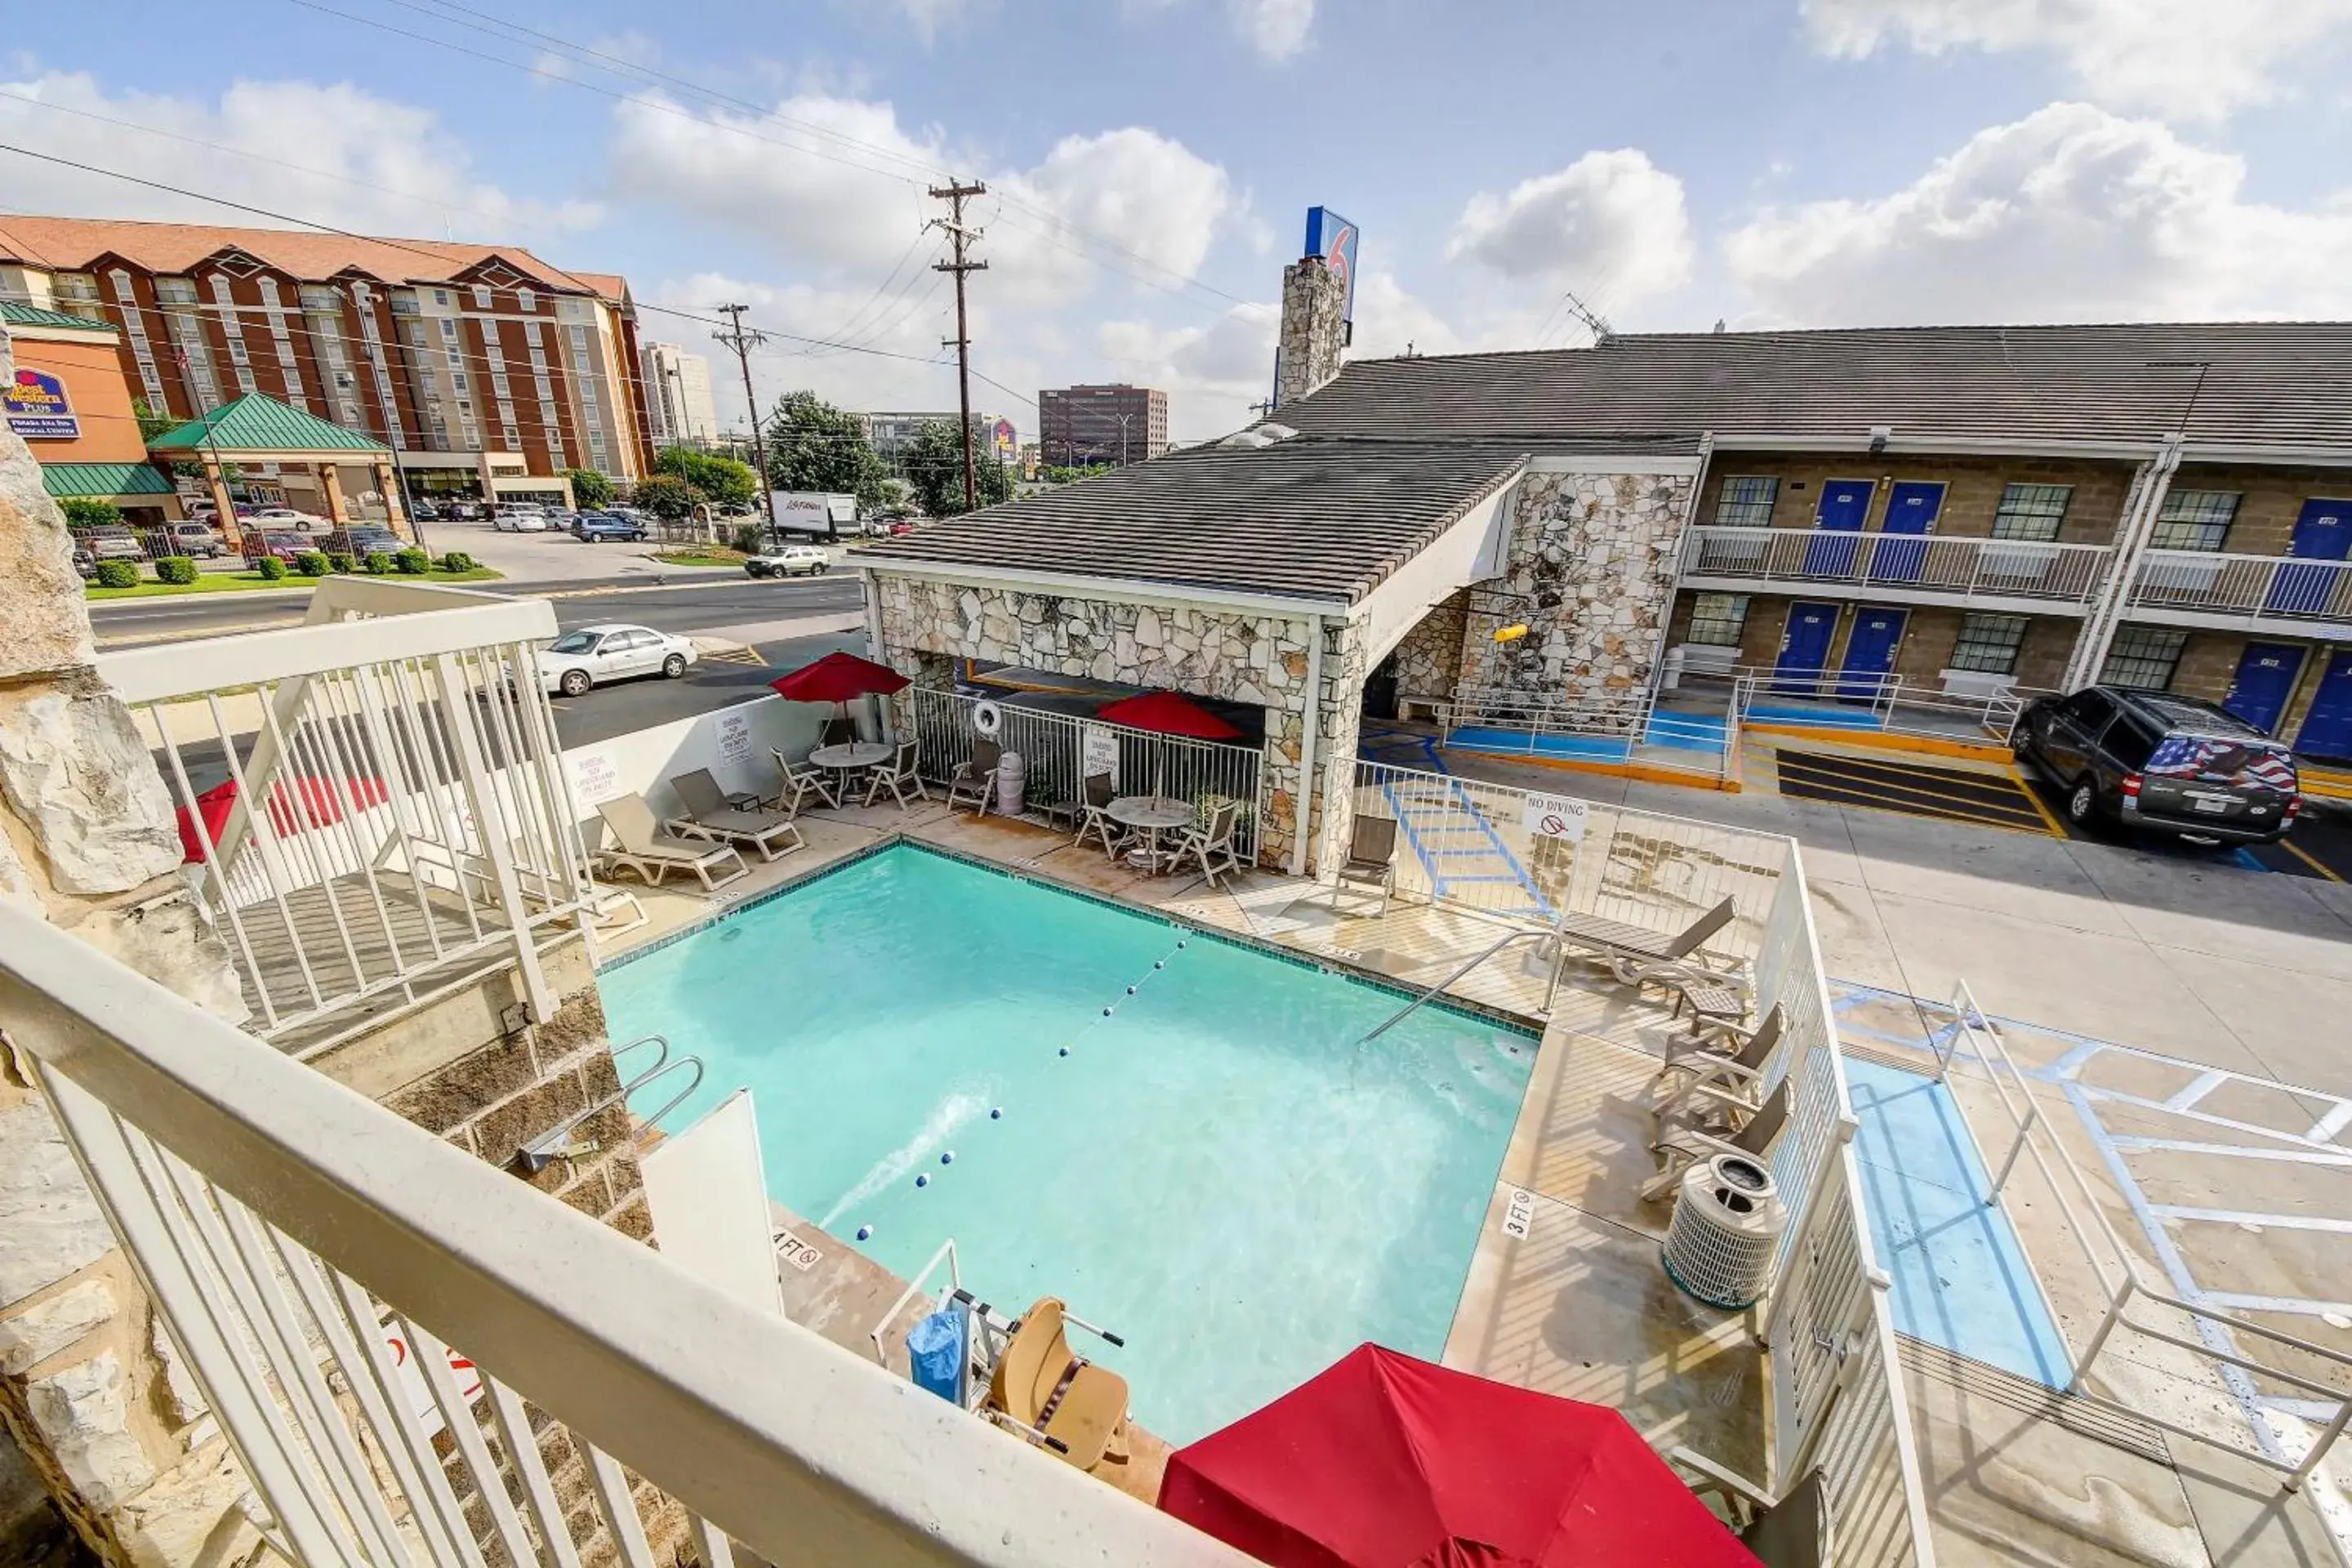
(1683,1143)
(711,814)
(1638,957)
(642,845)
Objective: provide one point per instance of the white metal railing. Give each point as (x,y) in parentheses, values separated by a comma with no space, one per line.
(1056,748)
(290,1231)
(1940,564)
(1467,844)
(2244,588)
(1889,702)
(375,799)
(1973,1037)
(1692,738)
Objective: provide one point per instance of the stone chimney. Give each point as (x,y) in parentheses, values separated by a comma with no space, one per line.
(1314,328)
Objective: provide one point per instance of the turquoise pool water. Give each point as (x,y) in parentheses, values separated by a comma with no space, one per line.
(1213,1171)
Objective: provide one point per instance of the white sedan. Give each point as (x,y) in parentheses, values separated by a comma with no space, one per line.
(283,517)
(520,520)
(593,655)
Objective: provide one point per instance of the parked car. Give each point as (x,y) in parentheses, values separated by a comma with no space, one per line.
(592,655)
(425,511)
(196,539)
(788,561)
(85,563)
(282,543)
(113,543)
(2152,761)
(359,541)
(284,517)
(520,520)
(595,527)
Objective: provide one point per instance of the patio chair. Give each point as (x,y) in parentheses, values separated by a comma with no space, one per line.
(1639,957)
(642,845)
(710,813)
(975,782)
(1371,858)
(897,775)
(1213,845)
(797,784)
(1047,1393)
(1097,818)
(1791,1530)
(1724,1056)
(1685,1141)
(841,731)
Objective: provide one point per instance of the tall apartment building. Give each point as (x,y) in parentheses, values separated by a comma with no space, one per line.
(678,394)
(1118,424)
(455,355)
(892,433)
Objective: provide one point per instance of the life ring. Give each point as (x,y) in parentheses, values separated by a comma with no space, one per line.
(987,717)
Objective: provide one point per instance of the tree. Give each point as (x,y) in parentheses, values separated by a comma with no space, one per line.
(720,480)
(83,512)
(812,446)
(589,488)
(934,465)
(1053,475)
(668,497)
(151,422)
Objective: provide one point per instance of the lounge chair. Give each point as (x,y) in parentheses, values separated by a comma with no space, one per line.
(1213,845)
(642,845)
(1697,1134)
(897,775)
(1637,956)
(1371,857)
(1044,1391)
(1791,1530)
(712,813)
(1721,1055)
(798,784)
(1096,818)
(975,782)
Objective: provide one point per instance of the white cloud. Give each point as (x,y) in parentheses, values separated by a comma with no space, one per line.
(2194,59)
(334,154)
(925,19)
(1390,320)
(1143,192)
(1212,373)
(1610,220)
(2071,213)
(1277,29)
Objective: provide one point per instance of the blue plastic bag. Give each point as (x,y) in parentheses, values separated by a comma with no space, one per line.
(935,1352)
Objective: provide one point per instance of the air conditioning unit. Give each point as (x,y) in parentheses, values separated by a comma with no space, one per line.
(1727,1228)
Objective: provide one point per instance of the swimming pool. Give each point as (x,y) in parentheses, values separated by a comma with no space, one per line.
(1213,1169)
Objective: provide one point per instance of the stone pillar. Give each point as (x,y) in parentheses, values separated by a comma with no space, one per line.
(1314,328)
(395,505)
(93,1400)
(331,486)
(223,509)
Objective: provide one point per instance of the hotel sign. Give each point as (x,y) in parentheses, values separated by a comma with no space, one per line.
(38,409)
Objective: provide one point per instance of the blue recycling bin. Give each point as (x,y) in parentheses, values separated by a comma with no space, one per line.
(935,1352)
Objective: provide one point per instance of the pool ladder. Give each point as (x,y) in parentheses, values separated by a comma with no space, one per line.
(558,1141)
(1402,1013)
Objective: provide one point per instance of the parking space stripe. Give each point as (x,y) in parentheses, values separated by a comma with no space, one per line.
(1986,799)
(2300,853)
(1905,808)
(1990,787)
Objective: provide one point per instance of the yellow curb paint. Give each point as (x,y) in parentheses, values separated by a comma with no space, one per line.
(1644,771)
(2290,845)
(1880,740)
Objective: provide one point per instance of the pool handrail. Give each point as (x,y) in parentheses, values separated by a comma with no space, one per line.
(543,1151)
(1399,1017)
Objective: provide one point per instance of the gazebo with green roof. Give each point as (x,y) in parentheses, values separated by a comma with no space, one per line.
(260,429)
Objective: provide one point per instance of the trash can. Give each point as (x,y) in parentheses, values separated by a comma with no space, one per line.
(935,1353)
(1011,785)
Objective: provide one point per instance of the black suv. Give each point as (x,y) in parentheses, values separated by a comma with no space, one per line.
(2170,764)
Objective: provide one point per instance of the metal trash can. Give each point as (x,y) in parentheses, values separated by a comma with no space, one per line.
(1011,785)
(1727,1228)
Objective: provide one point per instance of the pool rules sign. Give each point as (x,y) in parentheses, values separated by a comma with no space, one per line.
(1555,817)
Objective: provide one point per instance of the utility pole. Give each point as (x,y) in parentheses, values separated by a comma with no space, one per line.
(955,196)
(742,342)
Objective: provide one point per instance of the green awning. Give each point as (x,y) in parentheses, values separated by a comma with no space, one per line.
(256,423)
(16,313)
(103,481)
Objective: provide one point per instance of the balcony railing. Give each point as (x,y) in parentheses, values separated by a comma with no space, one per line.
(1900,562)
(372,801)
(2242,589)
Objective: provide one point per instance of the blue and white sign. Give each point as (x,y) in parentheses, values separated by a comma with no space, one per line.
(38,409)
(1333,239)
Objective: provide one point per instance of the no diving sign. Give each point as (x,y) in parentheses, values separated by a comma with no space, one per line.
(1555,817)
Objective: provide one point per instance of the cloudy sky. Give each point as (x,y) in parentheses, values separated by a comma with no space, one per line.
(1672,162)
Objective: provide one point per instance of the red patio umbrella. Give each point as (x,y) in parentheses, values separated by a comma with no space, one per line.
(837,677)
(1168,713)
(1383,1461)
(294,805)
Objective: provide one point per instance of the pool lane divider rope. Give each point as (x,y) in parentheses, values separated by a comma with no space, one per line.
(1110,1009)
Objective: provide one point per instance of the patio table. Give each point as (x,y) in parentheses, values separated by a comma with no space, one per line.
(1153,814)
(852,757)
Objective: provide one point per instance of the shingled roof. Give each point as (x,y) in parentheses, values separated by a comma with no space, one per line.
(1310,519)
(2280,384)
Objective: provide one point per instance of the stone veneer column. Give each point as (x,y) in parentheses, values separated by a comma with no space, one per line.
(1313,329)
(93,1399)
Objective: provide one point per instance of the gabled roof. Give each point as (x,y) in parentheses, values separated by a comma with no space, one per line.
(102,479)
(256,423)
(1306,519)
(15,314)
(77,245)
(2284,385)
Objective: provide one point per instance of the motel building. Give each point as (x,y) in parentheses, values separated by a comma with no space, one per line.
(1618,546)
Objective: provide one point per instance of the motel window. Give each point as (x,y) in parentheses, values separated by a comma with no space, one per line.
(2195,519)
(2143,658)
(441,296)
(1989,643)
(1746,502)
(1718,619)
(482,297)
(525,301)
(448,328)
(2032,512)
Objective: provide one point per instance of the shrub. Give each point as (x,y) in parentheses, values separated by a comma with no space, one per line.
(341,563)
(117,575)
(81,512)
(459,560)
(748,538)
(310,563)
(271,569)
(177,569)
(411,563)
(375,565)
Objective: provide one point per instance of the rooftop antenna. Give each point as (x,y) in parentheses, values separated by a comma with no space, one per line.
(1594,320)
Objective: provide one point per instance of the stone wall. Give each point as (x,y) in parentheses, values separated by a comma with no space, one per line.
(1313,329)
(1257,659)
(1429,660)
(1591,575)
